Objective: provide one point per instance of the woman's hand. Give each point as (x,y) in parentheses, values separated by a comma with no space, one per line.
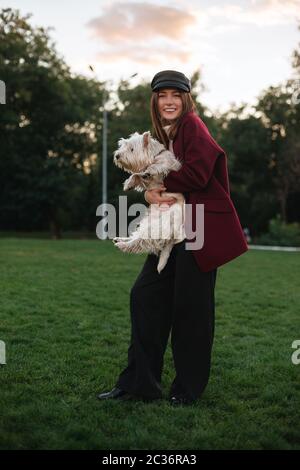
(153,196)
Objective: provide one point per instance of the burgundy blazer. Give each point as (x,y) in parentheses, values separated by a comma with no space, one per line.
(203,179)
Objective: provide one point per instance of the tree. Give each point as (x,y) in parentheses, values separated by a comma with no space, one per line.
(247,145)
(47,127)
(280,115)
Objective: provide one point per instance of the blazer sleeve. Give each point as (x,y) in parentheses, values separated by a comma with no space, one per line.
(199,161)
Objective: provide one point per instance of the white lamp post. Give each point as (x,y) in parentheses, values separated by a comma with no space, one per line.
(104,147)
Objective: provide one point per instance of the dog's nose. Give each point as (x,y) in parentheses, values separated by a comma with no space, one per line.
(117,157)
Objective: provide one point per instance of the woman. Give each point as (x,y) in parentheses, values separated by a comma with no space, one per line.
(181,298)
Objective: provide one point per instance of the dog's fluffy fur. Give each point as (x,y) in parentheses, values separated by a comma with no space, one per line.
(149,162)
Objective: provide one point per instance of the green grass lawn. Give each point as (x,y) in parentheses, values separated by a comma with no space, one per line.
(65,321)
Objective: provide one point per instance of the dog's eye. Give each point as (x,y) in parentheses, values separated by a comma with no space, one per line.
(131,149)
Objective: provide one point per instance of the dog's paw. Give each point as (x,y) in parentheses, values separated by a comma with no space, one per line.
(119,239)
(117,244)
(123,246)
(127,186)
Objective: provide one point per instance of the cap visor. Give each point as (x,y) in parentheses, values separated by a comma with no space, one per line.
(170,84)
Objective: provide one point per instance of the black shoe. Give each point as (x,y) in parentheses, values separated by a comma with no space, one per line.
(180,400)
(115,393)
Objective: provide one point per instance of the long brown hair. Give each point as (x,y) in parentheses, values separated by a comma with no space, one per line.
(158,122)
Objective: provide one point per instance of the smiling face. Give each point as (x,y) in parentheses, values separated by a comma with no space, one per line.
(169,103)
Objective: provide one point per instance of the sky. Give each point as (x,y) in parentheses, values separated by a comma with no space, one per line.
(240,47)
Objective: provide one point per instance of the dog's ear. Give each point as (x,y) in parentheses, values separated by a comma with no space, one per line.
(133,134)
(146,138)
(120,141)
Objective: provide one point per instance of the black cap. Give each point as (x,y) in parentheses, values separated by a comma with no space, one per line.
(172,79)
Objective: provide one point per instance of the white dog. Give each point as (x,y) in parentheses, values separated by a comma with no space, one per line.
(149,162)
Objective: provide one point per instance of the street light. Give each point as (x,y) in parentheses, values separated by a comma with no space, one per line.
(104,152)
(104,146)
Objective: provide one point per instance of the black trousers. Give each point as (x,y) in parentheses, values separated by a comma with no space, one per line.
(180,299)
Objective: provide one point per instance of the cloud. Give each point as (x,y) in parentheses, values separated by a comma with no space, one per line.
(142,32)
(131,22)
(144,54)
(259,12)
(151,33)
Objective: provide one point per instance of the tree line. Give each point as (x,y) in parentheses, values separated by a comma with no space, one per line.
(51,139)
